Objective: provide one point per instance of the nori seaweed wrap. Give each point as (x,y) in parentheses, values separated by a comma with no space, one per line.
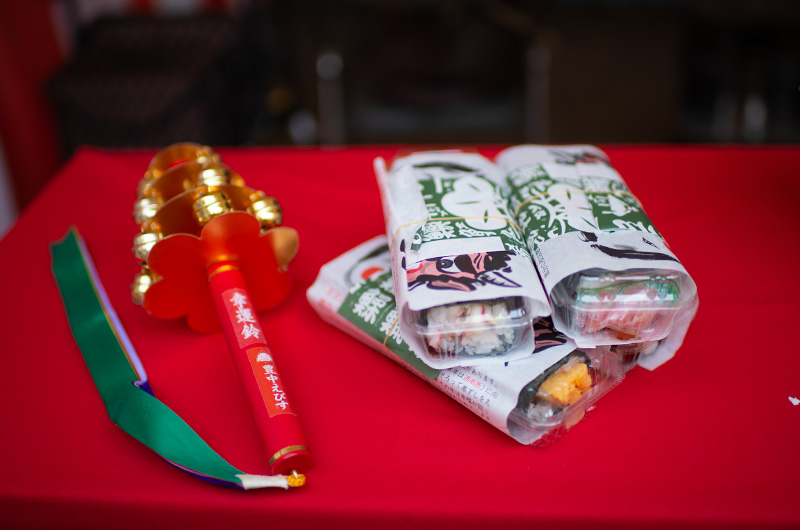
(544,399)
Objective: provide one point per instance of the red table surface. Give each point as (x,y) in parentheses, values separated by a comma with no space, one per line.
(709,439)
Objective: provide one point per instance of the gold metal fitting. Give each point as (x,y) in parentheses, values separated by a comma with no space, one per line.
(145,209)
(266,210)
(141,282)
(213,177)
(142,244)
(210,205)
(143,184)
(295,480)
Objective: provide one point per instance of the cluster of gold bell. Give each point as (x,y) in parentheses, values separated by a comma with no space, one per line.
(185,186)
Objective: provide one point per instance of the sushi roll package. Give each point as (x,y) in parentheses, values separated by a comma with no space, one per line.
(523,288)
(534,399)
(610,276)
(466,288)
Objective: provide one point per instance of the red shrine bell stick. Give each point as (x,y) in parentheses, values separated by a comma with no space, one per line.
(276,420)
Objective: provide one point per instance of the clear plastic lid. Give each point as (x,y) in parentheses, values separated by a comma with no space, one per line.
(561,395)
(468,330)
(629,354)
(610,307)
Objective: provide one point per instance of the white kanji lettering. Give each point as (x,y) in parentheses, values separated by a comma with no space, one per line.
(390,324)
(244,315)
(435,230)
(239,300)
(249,330)
(370,303)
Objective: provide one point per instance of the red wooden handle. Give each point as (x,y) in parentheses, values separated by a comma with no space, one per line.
(274,416)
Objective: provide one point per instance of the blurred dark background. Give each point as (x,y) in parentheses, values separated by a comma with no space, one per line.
(147,73)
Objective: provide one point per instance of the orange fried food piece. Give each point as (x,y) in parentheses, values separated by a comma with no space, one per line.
(567,385)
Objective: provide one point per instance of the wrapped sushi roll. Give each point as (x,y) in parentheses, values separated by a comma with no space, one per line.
(610,277)
(557,388)
(559,397)
(466,287)
(533,400)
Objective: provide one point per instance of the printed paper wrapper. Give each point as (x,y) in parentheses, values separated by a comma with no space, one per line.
(608,272)
(533,400)
(467,289)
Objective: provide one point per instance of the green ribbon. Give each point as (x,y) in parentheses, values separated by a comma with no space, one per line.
(120,378)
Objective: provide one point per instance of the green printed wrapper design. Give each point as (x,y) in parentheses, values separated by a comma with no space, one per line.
(371,307)
(561,196)
(475,199)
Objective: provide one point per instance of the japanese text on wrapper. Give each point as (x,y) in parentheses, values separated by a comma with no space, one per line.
(370,304)
(469,387)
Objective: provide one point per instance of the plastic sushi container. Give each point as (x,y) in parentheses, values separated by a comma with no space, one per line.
(465,330)
(563,393)
(608,307)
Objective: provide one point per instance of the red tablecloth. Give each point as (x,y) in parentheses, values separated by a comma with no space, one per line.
(709,439)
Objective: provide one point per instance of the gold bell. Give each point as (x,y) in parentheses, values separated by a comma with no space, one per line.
(143,242)
(141,282)
(211,205)
(145,209)
(266,210)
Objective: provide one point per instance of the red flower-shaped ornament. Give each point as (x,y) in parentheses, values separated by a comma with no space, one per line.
(179,263)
